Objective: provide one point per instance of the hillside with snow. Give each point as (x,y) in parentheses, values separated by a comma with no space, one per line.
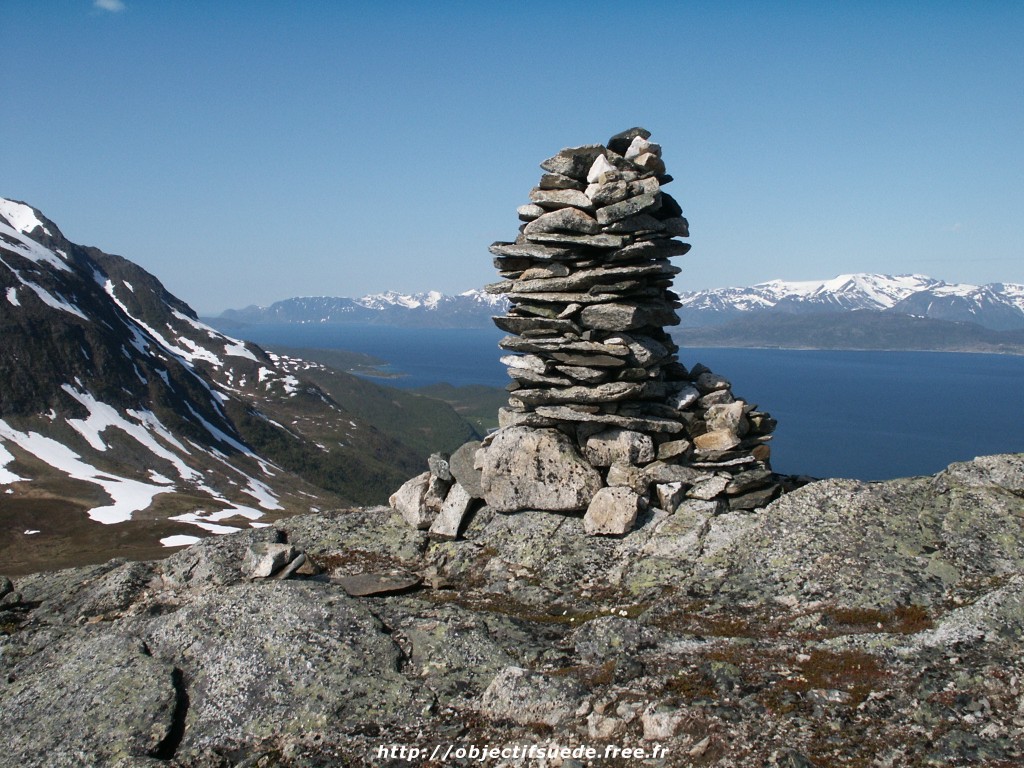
(127,424)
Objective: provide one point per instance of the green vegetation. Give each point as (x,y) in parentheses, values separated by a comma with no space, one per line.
(476,403)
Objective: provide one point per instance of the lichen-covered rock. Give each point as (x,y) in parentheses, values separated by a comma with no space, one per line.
(887,615)
(906,541)
(264,559)
(213,561)
(536,469)
(90,699)
(530,698)
(264,660)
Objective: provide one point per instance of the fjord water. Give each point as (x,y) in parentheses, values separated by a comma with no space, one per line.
(865,415)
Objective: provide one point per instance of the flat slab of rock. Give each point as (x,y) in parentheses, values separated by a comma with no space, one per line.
(449,519)
(367,584)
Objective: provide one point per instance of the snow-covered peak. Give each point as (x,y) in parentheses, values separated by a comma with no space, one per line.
(20,216)
(863,289)
(478,296)
(999,305)
(1014,293)
(427,300)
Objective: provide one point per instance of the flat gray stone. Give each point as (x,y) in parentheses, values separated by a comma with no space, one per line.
(530,212)
(574,162)
(368,584)
(558,181)
(650,249)
(456,505)
(553,199)
(641,222)
(609,392)
(569,220)
(642,424)
(529,251)
(603,240)
(616,316)
(628,207)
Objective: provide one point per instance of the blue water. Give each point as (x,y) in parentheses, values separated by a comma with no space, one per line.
(867,415)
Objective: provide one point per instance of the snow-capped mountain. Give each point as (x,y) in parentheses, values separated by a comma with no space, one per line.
(471,309)
(997,306)
(119,406)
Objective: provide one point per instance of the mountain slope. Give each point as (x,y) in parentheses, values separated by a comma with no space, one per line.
(117,405)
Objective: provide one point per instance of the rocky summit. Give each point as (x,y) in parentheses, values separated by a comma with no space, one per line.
(844,624)
(602,418)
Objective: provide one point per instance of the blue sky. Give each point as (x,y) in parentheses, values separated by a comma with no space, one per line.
(246,152)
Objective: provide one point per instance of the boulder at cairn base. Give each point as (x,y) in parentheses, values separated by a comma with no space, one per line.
(536,469)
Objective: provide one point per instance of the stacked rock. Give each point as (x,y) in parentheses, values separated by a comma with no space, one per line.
(601,415)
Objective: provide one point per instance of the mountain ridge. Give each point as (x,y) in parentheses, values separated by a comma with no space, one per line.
(995,306)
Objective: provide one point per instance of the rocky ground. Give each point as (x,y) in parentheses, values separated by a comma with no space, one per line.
(846,624)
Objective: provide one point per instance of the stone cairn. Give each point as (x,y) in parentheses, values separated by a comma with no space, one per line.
(602,418)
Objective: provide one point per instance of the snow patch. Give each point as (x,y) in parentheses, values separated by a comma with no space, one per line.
(178,540)
(58,302)
(262,493)
(236,348)
(12,295)
(21,216)
(103,416)
(18,243)
(6,476)
(128,496)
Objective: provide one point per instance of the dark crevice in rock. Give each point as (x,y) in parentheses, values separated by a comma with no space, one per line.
(401,642)
(167,748)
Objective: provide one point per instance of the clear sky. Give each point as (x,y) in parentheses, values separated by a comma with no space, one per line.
(249,151)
